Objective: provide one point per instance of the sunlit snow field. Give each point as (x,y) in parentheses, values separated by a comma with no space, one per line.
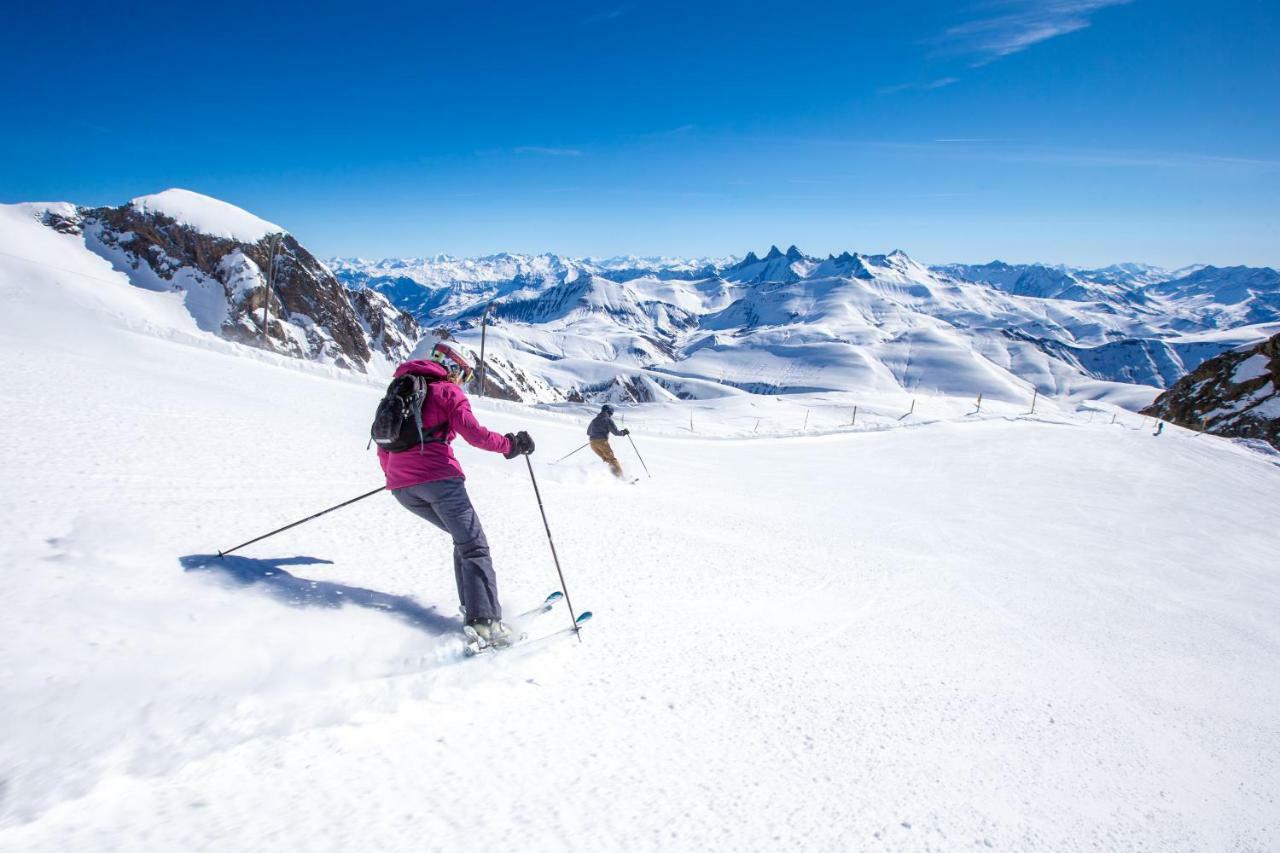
(939,631)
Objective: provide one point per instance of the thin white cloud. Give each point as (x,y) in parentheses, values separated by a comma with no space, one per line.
(1103,157)
(673,131)
(918,87)
(606,15)
(1028,22)
(1243,161)
(1139,159)
(548,152)
(1014,151)
(667,193)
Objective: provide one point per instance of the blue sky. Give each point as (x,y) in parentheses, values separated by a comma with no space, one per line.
(1072,131)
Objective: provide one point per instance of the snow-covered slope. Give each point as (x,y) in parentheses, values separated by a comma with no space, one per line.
(1043,282)
(947,631)
(207,215)
(1221,298)
(215,259)
(787,322)
(652,328)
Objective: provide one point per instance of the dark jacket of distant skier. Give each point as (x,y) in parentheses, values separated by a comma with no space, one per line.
(602,425)
(598,431)
(428,481)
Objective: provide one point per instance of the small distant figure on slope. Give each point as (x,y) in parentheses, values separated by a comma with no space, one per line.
(598,431)
(1159,428)
(424,409)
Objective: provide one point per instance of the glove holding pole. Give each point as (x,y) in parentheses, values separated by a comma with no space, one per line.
(521,444)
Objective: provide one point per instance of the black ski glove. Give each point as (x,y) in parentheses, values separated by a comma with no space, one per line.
(626,432)
(521,443)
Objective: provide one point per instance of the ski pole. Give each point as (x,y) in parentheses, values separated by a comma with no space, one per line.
(296,523)
(638,456)
(554,557)
(567,455)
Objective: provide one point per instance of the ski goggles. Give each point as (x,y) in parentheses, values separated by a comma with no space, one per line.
(448,358)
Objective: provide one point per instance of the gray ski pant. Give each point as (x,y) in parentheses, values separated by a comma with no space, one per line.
(445,504)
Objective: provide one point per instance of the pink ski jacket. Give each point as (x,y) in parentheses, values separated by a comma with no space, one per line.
(446,404)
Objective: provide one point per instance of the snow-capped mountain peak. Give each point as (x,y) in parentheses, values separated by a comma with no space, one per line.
(577,328)
(725,321)
(776,265)
(206,270)
(207,215)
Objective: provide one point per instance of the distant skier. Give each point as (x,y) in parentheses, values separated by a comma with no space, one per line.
(427,480)
(598,431)
(1159,428)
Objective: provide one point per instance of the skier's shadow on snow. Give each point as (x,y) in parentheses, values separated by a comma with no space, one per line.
(270,577)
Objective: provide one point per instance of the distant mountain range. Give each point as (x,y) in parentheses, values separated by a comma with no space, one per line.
(631,328)
(787,321)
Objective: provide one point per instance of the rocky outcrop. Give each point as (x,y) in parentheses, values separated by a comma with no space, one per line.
(308,313)
(388,330)
(1232,395)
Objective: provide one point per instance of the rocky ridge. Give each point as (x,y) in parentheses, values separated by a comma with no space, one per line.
(223,279)
(1233,394)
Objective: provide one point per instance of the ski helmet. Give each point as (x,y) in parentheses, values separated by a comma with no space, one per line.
(606,409)
(448,357)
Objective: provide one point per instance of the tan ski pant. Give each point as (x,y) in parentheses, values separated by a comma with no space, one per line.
(605,452)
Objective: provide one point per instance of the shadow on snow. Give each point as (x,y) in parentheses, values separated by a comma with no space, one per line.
(268,575)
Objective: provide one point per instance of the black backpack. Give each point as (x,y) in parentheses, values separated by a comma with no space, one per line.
(397,425)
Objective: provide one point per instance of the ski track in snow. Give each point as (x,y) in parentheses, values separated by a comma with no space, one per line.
(986,633)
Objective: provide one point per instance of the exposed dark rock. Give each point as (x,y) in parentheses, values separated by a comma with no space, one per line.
(1233,394)
(389,330)
(63,224)
(309,314)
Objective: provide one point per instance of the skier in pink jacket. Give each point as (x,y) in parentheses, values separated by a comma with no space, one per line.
(428,481)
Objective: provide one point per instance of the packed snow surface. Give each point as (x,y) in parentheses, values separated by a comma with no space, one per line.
(943,628)
(208,215)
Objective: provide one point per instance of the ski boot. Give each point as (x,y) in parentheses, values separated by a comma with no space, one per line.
(484,634)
